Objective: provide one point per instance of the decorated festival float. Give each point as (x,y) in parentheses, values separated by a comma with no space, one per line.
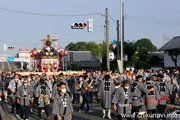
(48,60)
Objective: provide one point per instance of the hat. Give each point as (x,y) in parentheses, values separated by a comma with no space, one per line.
(148,79)
(107,77)
(138,77)
(154,75)
(160,76)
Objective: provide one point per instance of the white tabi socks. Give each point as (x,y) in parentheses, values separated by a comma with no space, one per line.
(104,113)
(109,114)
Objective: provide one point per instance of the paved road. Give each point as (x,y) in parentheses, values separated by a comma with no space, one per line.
(96,115)
(7,66)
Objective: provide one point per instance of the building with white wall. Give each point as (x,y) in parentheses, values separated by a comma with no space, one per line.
(173,44)
(23,53)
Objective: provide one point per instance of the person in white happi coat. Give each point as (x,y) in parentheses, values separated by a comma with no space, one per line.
(13,87)
(62,105)
(105,92)
(3,88)
(122,100)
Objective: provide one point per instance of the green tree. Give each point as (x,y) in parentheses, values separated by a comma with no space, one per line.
(129,50)
(75,46)
(155,60)
(91,46)
(102,47)
(132,60)
(75,67)
(174,56)
(145,43)
(17,55)
(143,61)
(87,46)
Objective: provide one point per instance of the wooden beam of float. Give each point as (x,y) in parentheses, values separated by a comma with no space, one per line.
(51,73)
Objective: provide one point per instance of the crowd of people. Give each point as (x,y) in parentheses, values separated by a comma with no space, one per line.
(129,93)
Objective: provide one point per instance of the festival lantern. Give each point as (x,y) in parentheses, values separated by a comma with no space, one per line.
(31,54)
(35,52)
(65,52)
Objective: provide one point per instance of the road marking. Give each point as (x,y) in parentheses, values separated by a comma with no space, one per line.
(9,66)
(14,67)
(2,66)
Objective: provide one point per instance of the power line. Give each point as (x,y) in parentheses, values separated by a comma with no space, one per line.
(112,19)
(53,15)
(152,20)
(167,38)
(87,40)
(18,43)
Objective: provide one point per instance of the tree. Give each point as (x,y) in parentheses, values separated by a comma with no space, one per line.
(146,44)
(75,46)
(129,49)
(174,56)
(132,60)
(75,67)
(155,60)
(91,46)
(17,55)
(143,61)
(87,46)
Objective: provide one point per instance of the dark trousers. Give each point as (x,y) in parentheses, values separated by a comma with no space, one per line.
(76,97)
(85,100)
(96,94)
(151,112)
(55,117)
(35,100)
(157,109)
(45,109)
(90,94)
(135,109)
(25,111)
(17,107)
(172,101)
(162,109)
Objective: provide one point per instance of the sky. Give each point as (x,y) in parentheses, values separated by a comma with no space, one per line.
(143,19)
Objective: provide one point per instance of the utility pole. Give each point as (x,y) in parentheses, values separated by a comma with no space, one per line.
(122,36)
(118,56)
(163,38)
(107,40)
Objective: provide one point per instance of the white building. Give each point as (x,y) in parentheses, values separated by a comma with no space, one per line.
(24,56)
(23,53)
(173,44)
